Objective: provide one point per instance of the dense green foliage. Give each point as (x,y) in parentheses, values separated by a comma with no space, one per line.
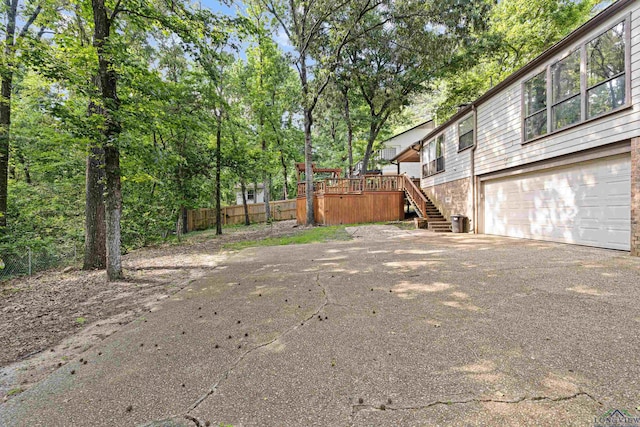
(185,75)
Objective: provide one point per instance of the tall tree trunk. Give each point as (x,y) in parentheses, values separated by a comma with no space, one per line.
(347,119)
(95,233)
(308,165)
(181,222)
(308,152)
(95,255)
(218,167)
(374,129)
(113,212)
(6,75)
(285,192)
(5,124)
(5,110)
(267,206)
(111,132)
(265,183)
(243,188)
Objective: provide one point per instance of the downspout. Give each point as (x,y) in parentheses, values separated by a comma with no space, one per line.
(397,164)
(474,197)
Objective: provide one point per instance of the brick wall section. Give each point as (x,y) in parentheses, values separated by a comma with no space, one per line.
(635,196)
(453,198)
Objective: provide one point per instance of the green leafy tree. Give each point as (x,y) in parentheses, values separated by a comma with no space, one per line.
(14,14)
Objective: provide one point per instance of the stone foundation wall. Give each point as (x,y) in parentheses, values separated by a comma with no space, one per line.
(453,198)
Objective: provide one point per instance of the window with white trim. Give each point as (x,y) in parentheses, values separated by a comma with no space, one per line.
(590,81)
(606,80)
(465,133)
(565,91)
(535,106)
(433,157)
(387,153)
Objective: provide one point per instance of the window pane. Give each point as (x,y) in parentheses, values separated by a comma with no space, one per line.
(566,113)
(440,146)
(431,151)
(606,96)
(466,140)
(535,94)
(388,153)
(605,55)
(535,125)
(565,77)
(465,126)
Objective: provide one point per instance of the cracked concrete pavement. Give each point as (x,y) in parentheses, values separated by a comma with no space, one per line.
(394,327)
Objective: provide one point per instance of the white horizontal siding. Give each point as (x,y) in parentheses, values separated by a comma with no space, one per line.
(499,118)
(407,138)
(456,165)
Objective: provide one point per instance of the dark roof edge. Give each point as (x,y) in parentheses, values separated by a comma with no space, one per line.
(408,130)
(579,32)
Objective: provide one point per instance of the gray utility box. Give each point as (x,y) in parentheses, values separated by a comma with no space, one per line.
(458,223)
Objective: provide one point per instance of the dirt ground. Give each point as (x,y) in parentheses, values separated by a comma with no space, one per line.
(48,318)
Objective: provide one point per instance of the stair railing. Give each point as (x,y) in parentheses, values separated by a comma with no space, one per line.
(415,195)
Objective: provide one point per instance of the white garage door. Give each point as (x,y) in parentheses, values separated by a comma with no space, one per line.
(586,203)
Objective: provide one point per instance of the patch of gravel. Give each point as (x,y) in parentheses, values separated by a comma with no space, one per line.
(48,318)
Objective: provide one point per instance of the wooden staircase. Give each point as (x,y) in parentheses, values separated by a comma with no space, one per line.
(425,208)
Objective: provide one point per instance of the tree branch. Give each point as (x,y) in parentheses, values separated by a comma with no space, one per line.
(116,10)
(32,18)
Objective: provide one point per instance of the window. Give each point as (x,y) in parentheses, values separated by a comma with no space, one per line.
(606,72)
(433,157)
(587,83)
(465,133)
(387,153)
(565,91)
(250,194)
(535,106)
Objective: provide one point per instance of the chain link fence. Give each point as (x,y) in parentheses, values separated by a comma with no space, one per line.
(28,261)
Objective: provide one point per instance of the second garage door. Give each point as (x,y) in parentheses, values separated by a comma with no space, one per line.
(586,203)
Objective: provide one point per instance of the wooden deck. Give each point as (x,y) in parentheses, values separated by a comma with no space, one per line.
(354,200)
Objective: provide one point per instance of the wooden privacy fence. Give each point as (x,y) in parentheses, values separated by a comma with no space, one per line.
(201,219)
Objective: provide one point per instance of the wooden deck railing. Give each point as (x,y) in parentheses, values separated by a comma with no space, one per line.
(371,183)
(416,196)
(355,185)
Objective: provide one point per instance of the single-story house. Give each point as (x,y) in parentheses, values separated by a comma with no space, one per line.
(553,151)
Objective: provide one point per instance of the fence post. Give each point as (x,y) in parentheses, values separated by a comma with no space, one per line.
(29,251)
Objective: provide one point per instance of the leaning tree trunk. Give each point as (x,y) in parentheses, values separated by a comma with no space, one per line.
(111,132)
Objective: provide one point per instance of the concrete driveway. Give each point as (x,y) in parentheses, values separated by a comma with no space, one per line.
(394,327)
